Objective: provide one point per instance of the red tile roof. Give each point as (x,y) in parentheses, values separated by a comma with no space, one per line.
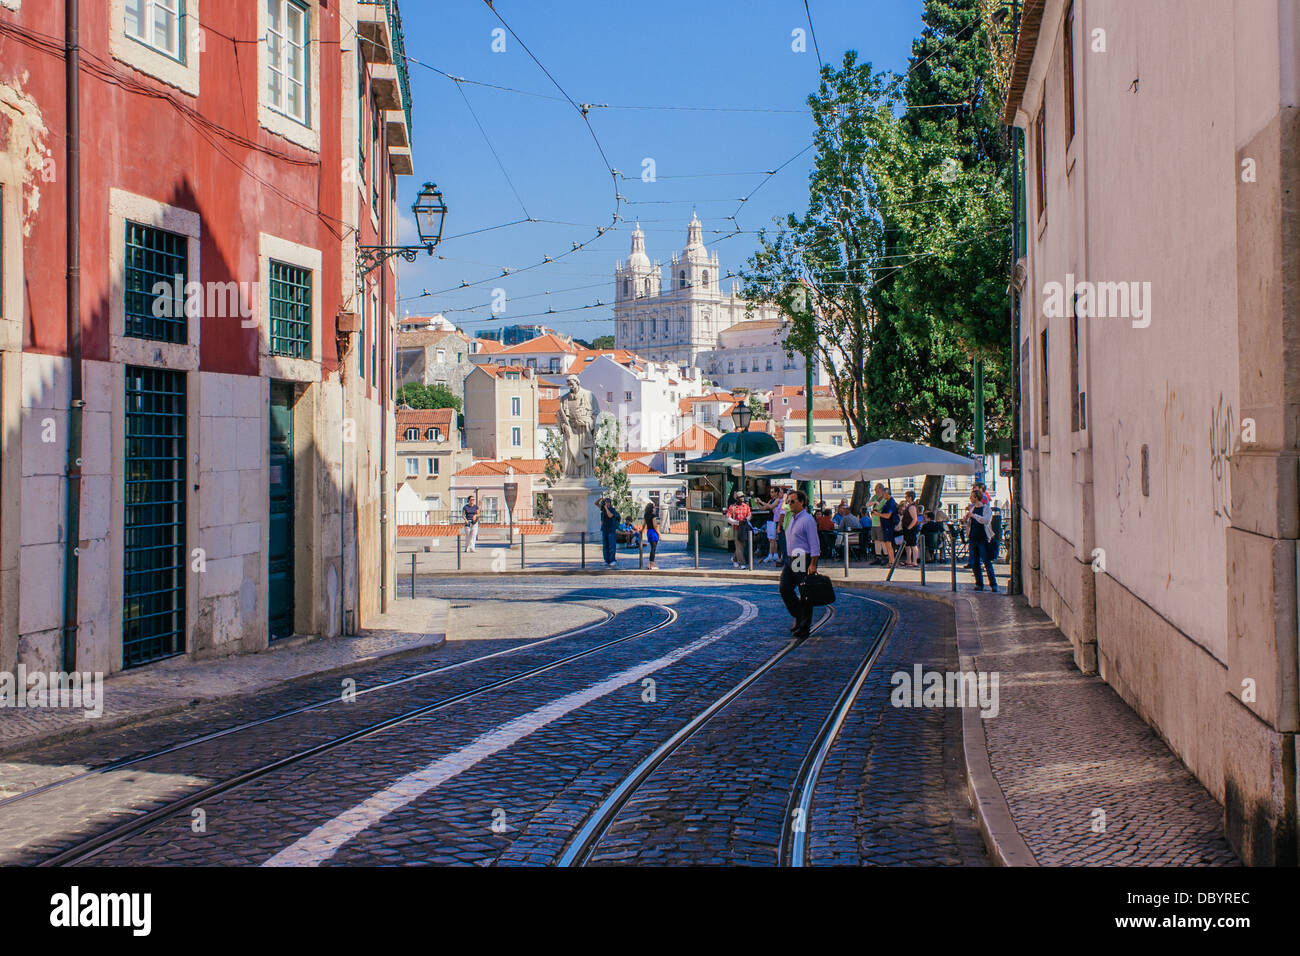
(522,466)
(640,468)
(497,370)
(488,346)
(425,416)
(695,438)
(818,414)
(548,411)
(550,342)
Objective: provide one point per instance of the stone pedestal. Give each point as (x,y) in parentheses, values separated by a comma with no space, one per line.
(573,502)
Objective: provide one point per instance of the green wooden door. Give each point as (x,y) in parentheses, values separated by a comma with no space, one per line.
(280,551)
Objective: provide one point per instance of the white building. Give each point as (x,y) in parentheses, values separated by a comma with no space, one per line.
(645,397)
(751,354)
(678,321)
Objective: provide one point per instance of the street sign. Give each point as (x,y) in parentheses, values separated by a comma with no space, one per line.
(511,489)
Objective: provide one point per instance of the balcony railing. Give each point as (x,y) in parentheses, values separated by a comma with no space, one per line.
(399,54)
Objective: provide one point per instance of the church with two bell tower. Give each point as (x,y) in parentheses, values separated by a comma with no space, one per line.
(675,317)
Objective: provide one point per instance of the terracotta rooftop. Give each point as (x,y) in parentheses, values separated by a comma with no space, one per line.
(819,414)
(640,468)
(425,416)
(550,342)
(1031,19)
(695,438)
(497,370)
(522,466)
(488,346)
(548,411)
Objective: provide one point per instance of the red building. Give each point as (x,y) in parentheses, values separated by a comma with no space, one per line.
(215,167)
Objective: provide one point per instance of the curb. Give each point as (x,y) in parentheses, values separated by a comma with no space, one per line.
(91,728)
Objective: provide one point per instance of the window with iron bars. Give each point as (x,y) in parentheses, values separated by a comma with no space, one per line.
(290,310)
(155,256)
(154,562)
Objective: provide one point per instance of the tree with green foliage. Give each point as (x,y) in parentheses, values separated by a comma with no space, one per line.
(437,395)
(603,342)
(610,471)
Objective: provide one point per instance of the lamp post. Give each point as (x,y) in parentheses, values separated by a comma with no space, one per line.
(740,417)
(430,215)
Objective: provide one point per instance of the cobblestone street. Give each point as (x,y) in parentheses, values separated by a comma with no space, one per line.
(497,747)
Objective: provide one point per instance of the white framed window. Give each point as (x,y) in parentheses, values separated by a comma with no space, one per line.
(627,396)
(159,37)
(515,408)
(413,434)
(516,437)
(679,463)
(433,466)
(837,440)
(288,102)
(288,59)
(442,355)
(412,467)
(159,24)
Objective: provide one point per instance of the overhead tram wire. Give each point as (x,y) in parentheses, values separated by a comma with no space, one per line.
(495,155)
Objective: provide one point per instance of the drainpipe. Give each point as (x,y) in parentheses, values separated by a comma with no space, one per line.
(381,332)
(1015,580)
(72,172)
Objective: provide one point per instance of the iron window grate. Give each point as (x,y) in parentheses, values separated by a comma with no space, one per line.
(155,256)
(153,571)
(290,311)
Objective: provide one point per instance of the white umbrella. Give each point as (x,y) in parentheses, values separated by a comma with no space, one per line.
(799,463)
(892,459)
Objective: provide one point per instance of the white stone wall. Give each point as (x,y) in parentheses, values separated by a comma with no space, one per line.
(228,464)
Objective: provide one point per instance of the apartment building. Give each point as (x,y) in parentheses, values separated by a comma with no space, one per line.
(1156,297)
(195,444)
(502,412)
(429,451)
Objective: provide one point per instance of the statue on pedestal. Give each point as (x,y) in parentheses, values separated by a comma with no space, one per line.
(577,420)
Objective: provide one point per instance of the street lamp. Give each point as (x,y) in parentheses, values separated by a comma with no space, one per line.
(430,211)
(741,416)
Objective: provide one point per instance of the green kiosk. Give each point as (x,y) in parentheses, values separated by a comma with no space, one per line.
(710,483)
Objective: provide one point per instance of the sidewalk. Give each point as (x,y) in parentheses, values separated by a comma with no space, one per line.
(1066,774)
(181,683)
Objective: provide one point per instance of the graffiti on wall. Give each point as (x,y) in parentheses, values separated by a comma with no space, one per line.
(1123,472)
(1222,432)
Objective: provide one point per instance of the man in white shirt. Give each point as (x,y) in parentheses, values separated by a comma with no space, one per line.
(803,548)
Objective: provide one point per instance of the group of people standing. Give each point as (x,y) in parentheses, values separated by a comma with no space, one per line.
(610,521)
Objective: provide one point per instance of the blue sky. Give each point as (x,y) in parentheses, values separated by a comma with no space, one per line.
(687,56)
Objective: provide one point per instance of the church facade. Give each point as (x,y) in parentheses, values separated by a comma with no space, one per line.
(678,316)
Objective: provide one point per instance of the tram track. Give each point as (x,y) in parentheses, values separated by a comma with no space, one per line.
(792,849)
(334,700)
(96,844)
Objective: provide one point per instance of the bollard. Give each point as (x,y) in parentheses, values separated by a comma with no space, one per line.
(458,543)
(898,554)
(640,554)
(750,545)
(584,549)
(952,551)
(922,549)
(412,575)
(846,556)
(697,549)
(522,549)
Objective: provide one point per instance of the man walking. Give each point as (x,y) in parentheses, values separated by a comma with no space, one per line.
(802,551)
(471,522)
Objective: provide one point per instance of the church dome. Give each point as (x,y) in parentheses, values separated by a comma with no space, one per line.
(638,261)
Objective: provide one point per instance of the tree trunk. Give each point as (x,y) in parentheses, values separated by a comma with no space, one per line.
(861,492)
(930,493)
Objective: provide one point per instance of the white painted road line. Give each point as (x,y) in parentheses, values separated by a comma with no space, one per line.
(326,840)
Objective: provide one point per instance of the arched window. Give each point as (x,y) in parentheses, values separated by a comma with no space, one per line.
(704,278)
(681,279)
(627,287)
(647,286)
